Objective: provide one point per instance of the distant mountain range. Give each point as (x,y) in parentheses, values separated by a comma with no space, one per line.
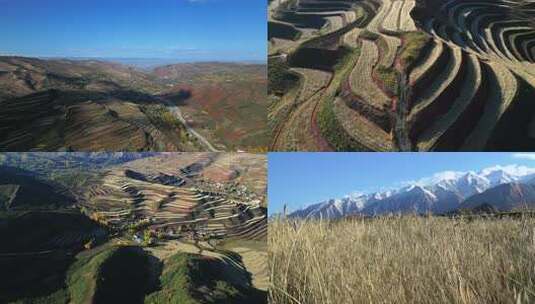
(499,188)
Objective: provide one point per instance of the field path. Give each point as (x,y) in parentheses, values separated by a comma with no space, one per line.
(306,111)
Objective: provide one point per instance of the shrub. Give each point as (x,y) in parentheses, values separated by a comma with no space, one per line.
(414,45)
(280,80)
(390,78)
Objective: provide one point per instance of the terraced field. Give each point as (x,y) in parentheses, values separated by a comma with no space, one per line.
(420,75)
(139,217)
(65,105)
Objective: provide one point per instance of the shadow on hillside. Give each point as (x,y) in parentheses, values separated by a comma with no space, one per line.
(179,98)
(125,277)
(24,277)
(38,248)
(42,118)
(226,282)
(69,97)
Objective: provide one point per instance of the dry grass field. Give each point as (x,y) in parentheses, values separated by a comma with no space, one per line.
(403,260)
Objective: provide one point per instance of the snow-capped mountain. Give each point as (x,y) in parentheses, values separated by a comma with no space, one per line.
(441,193)
(465,184)
(504,197)
(412,199)
(506,174)
(336,208)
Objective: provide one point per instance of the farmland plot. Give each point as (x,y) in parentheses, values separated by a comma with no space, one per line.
(376,23)
(350,39)
(503,92)
(471,85)
(406,22)
(391,21)
(361,81)
(313,82)
(426,63)
(368,134)
(442,81)
(447,67)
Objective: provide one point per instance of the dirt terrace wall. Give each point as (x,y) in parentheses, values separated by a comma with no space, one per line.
(440,105)
(282,31)
(454,137)
(381,117)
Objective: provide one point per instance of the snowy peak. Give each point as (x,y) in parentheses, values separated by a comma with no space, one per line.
(506,174)
(333,208)
(466,184)
(411,199)
(442,192)
(499,177)
(416,190)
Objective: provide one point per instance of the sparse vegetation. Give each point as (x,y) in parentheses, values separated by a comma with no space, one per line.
(390,78)
(161,117)
(366,34)
(280,80)
(414,43)
(83,275)
(175,281)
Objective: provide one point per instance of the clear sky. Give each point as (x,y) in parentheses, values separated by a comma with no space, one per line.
(188,30)
(300,179)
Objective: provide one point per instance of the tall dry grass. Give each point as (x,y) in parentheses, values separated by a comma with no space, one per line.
(403,260)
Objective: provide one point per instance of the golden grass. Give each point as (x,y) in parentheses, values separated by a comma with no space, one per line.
(402,260)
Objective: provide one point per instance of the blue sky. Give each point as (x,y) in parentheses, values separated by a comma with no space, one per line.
(300,179)
(187,30)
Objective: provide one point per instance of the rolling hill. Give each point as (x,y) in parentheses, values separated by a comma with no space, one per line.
(182,226)
(19,189)
(89,105)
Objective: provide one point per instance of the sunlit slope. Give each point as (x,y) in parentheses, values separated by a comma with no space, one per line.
(410,75)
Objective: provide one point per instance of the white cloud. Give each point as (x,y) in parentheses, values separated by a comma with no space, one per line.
(530,156)
(514,170)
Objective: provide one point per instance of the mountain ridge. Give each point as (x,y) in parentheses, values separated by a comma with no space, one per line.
(441,194)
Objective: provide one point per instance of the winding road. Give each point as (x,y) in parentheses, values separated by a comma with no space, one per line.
(178,115)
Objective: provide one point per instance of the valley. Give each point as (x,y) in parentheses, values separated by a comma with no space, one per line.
(90,105)
(183,227)
(401,75)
